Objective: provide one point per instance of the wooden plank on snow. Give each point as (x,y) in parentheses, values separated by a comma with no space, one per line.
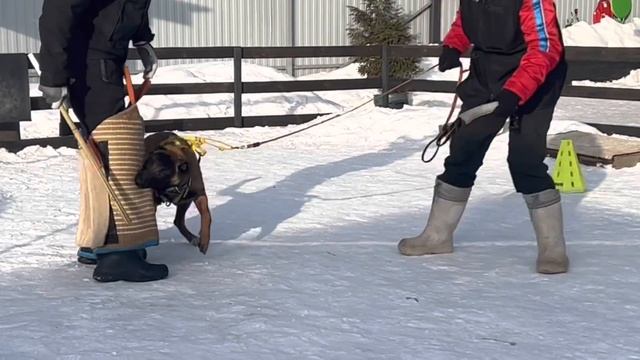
(591,148)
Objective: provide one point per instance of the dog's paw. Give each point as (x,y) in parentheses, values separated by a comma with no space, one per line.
(195,241)
(204,242)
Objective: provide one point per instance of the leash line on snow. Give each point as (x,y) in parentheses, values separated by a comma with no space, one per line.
(223,146)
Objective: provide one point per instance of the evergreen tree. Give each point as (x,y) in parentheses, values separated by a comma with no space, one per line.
(382,22)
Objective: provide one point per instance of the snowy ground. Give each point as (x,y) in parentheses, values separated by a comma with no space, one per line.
(303,263)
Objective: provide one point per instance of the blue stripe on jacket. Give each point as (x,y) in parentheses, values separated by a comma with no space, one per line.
(543,36)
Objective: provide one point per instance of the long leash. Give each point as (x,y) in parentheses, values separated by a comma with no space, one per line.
(465,118)
(445,132)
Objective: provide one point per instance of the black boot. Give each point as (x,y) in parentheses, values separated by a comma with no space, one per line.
(87,257)
(127,266)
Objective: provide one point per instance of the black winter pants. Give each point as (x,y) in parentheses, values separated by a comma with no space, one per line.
(97,92)
(527,151)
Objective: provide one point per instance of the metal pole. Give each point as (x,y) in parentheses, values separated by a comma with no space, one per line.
(291,62)
(385,75)
(435,22)
(417,14)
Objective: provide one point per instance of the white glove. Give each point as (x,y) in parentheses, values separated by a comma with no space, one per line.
(54,95)
(149,59)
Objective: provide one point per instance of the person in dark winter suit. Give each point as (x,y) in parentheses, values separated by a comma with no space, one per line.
(84,49)
(82,57)
(517,60)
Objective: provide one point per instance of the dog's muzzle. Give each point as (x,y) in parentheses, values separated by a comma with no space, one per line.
(175,194)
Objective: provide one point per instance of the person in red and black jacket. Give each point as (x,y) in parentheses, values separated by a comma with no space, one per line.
(517,59)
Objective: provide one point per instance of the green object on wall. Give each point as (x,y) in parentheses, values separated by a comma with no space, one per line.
(621,9)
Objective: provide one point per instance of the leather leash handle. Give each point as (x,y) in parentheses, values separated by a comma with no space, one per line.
(143,89)
(130,91)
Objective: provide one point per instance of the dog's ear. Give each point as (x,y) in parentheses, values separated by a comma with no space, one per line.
(183,167)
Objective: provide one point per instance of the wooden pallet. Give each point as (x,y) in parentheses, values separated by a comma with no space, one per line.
(594,149)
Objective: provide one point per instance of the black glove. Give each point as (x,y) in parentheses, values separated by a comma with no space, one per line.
(54,95)
(507,104)
(148,57)
(449,59)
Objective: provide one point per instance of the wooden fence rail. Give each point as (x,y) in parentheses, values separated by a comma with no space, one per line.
(584,63)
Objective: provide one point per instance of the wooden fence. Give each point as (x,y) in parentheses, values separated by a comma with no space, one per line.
(581,64)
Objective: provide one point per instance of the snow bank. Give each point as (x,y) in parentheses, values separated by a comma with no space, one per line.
(219,105)
(607,33)
(214,71)
(631,81)
(45,123)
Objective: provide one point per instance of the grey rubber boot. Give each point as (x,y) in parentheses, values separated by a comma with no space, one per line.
(545,210)
(447,207)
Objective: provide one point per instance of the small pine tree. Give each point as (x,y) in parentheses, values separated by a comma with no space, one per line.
(381,22)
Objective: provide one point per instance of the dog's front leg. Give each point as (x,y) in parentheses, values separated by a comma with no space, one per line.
(202,203)
(182,227)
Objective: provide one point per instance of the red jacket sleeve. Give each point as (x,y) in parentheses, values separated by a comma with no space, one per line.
(544,48)
(456,38)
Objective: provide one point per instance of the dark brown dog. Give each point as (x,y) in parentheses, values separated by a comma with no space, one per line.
(172,170)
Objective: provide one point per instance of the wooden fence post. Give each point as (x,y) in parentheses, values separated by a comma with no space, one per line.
(385,74)
(15,104)
(63,128)
(9,131)
(237,87)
